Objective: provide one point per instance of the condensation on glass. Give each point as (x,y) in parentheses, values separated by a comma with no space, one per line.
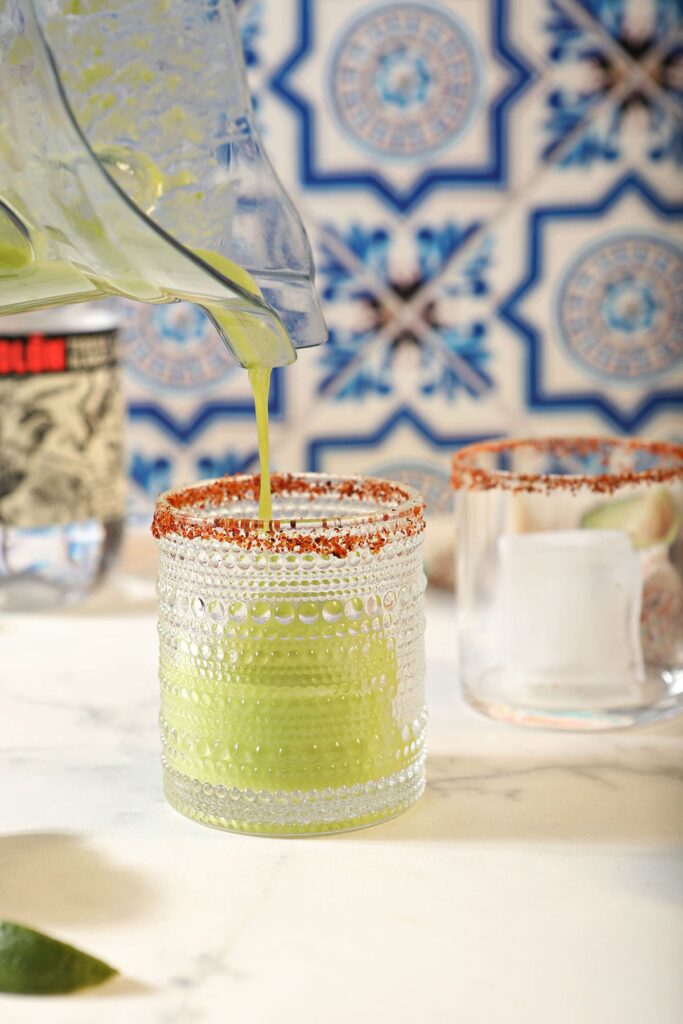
(292,653)
(570,580)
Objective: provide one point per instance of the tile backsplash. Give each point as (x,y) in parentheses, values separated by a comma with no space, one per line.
(493,193)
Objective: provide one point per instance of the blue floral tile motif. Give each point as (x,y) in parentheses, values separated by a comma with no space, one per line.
(618,310)
(392,122)
(593,68)
(426,74)
(639,25)
(620,307)
(404,81)
(213,464)
(173,347)
(377,302)
(152,472)
(431,481)
(149,474)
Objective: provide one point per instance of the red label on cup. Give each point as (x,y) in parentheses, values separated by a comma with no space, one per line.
(33,354)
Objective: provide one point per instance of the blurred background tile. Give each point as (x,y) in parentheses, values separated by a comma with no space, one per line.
(493,192)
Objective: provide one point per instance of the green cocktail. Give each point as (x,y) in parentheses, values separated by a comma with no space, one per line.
(292,669)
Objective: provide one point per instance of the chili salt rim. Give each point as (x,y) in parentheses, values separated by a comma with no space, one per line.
(467,475)
(187,513)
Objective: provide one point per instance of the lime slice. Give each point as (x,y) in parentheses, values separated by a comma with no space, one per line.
(34,964)
(649,519)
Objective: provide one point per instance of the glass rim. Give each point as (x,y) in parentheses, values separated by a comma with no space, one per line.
(188,512)
(468,474)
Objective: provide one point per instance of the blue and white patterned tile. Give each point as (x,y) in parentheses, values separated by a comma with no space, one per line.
(620,136)
(408,328)
(506,264)
(598,305)
(639,26)
(190,407)
(615,140)
(401,99)
(628,52)
(172,349)
(404,447)
(611,89)
(530,25)
(269,33)
(594,45)
(375,298)
(179,375)
(667,426)
(156,462)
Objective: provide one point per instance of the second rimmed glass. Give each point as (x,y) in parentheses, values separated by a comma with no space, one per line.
(570,580)
(292,653)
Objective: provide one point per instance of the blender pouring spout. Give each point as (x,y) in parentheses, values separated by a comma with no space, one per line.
(121,174)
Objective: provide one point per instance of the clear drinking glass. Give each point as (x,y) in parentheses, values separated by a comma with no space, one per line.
(292,653)
(570,580)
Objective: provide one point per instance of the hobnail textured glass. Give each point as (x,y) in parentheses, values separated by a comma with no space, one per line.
(292,653)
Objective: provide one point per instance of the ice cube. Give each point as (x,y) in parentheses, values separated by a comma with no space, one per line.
(568,609)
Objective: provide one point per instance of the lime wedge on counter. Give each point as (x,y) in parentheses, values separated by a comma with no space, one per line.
(649,519)
(34,964)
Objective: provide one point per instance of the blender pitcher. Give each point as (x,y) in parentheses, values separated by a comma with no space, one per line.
(130,165)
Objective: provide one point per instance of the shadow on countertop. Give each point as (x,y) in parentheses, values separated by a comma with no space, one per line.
(627,798)
(48,879)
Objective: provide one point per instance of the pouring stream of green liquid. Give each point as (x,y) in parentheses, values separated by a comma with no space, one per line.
(248,336)
(237,329)
(259,377)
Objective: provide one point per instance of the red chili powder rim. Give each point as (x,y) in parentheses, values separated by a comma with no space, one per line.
(191,513)
(468,472)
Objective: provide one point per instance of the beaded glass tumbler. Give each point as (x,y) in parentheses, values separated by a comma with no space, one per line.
(570,580)
(292,653)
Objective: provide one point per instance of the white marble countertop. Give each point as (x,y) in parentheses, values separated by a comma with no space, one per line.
(539,881)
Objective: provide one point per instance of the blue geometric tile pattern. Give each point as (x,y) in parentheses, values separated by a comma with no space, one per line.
(372,441)
(619,309)
(493,190)
(172,350)
(405,82)
(184,430)
(637,26)
(592,67)
(368,310)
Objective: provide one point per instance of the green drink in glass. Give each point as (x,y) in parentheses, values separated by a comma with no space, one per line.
(292,653)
